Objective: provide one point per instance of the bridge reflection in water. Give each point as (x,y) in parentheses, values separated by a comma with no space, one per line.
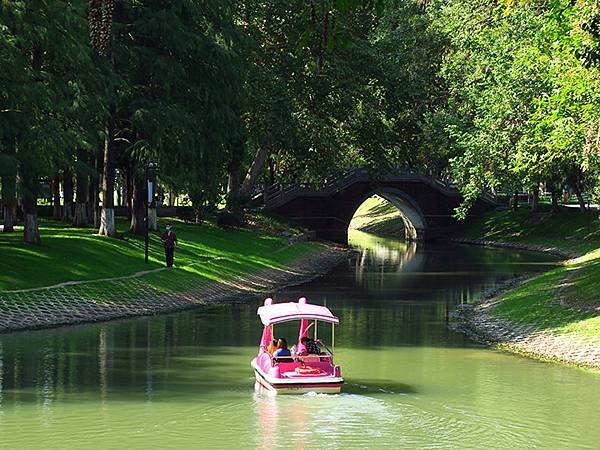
(381,253)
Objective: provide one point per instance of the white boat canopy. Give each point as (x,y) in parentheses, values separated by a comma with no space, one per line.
(272,313)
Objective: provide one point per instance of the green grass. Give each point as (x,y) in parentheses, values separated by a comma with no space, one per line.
(536,303)
(378,216)
(73,254)
(569,229)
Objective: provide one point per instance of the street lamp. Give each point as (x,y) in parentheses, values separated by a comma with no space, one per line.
(150,172)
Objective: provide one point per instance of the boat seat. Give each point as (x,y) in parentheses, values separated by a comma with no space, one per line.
(285,359)
(311,358)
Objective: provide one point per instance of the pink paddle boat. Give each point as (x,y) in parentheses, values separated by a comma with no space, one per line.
(301,372)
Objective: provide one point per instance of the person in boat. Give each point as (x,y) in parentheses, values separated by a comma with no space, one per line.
(282,348)
(272,347)
(308,346)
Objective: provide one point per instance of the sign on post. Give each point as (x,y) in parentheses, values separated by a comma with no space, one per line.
(150,192)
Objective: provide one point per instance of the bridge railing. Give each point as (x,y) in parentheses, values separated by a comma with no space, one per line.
(277,194)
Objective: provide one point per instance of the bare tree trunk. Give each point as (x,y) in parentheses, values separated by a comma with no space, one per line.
(576,187)
(554,195)
(28,179)
(80,217)
(107,220)
(271,171)
(9,184)
(31,232)
(535,202)
(197,206)
(254,170)
(137,213)
(127,191)
(119,190)
(152,218)
(93,208)
(9,200)
(56,211)
(233,186)
(67,212)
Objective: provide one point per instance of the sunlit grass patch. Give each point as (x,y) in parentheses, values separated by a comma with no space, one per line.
(73,254)
(569,229)
(377,215)
(565,300)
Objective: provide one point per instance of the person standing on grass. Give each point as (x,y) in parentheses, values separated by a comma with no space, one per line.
(170,242)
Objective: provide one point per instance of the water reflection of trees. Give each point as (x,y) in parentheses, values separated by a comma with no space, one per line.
(391,297)
(136,359)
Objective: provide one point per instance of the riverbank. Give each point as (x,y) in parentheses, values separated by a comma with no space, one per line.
(213,266)
(554,316)
(378,216)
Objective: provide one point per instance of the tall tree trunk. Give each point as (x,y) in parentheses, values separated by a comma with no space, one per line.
(31,232)
(8,174)
(93,209)
(28,178)
(107,219)
(67,212)
(577,188)
(100,20)
(271,171)
(128,191)
(29,186)
(56,211)
(254,170)
(119,193)
(9,202)
(554,195)
(138,206)
(535,202)
(152,218)
(515,200)
(233,186)
(80,217)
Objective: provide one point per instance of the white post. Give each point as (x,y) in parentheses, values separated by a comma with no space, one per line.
(332,338)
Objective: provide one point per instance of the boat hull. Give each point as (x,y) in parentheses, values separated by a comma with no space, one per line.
(297,385)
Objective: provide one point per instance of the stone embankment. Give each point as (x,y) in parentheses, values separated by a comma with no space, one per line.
(519,246)
(93,301)
(532,340)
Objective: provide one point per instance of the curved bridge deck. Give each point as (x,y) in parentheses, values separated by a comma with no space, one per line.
(426,204)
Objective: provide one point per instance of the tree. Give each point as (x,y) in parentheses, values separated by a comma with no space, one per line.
(100,19)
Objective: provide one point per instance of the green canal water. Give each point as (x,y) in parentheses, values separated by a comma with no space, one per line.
(184,380)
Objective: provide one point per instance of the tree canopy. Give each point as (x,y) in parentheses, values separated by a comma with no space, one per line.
(224,95)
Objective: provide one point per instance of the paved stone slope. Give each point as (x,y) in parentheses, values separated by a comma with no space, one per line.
(135,296)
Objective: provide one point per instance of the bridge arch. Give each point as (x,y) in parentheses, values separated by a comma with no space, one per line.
(415,223)
(427,204)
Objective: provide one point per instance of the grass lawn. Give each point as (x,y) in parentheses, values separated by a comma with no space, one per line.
(569,229)
(537,302)
(70,254)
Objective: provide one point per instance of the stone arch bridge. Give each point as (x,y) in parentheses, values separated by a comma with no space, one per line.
(426,204)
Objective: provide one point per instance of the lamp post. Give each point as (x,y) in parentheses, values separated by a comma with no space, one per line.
(150,169)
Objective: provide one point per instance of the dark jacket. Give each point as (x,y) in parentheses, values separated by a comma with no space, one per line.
(169,239)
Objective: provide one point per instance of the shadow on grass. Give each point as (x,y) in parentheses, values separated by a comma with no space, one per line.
(538,303)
